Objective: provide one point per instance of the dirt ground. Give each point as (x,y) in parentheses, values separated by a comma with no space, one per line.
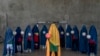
(41,52)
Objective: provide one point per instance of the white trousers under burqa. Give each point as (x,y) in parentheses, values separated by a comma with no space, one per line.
(9,49)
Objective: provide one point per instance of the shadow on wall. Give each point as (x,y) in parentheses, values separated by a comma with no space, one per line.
(1,39)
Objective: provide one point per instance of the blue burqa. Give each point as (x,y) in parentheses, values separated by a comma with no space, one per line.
(83,40)
(62,36)
(36,30)
(28,30)
(68,38)
(17,36)
(8,36)
(43,37)
(93,33)
(76,34)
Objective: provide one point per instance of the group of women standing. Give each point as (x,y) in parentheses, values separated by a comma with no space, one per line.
(32,39)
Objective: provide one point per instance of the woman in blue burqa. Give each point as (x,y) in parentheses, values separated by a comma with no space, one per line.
(28,40)
(9,47)
(18,40)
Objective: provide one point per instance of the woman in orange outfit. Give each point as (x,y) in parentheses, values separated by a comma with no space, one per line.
(53,42)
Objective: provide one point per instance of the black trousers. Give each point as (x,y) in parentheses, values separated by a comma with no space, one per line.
(18,43)
(75,45)
(36,46)
(29,44)
(92,48)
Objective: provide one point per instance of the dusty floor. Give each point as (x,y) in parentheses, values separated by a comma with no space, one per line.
(41,52)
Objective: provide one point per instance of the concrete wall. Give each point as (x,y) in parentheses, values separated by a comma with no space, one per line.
(23,12)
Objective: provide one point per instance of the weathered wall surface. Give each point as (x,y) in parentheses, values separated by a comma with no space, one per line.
(23,12)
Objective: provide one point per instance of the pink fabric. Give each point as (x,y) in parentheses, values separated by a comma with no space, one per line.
(47,35)
(73,37)
(29,38)
(20,39)
(36,38)
(92,42)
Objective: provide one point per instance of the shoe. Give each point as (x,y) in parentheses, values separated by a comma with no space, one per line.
(30,50)
(92,54)
(11,55)
(43,47)
(26,51)
(7,54)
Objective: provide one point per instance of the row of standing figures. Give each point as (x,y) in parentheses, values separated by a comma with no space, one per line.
(31,39)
